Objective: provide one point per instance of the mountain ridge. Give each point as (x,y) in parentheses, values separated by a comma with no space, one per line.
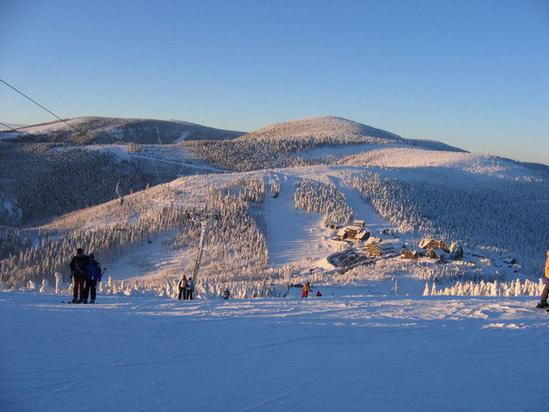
(337,129)
(107,130)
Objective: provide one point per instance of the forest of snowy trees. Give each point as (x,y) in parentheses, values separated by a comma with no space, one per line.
(479,215)
(43,181)
(236,247)
(107,130)
(490,204)
(314,196)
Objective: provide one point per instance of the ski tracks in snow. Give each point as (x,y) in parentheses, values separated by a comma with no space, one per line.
(349,351)
(292,234)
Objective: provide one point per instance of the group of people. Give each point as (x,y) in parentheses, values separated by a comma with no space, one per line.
(86,273)
(306,289)
(186,288)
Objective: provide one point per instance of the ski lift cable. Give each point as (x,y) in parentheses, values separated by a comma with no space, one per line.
(83,133)
(7,126)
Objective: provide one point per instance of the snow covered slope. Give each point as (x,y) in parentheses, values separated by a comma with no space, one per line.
(292,234)
(350,351)
(406,157)
(40,181)
(435,330)
(332,129)
(273,226)
(320,128)
(493,207)
(116,130)
(46,165)
(316,140)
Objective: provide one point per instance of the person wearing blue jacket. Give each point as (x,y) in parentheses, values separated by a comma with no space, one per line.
(93,275)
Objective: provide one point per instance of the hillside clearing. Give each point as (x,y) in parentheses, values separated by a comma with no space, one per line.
(292,235)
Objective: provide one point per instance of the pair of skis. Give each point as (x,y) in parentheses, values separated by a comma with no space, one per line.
(77,303)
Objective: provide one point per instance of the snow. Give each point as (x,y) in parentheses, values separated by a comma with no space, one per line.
(57,125)
(350,351)
(184,136)
(153,258)
(116,129)
(323,127)
(388,335)
(337,151)
(292,234)
(361,208)
(169,154)
(402,158)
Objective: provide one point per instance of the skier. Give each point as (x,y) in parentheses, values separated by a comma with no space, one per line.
(78,266)
(543,303)
(306,289)
(93,275)
(190,289)
(183,288)
(226,294)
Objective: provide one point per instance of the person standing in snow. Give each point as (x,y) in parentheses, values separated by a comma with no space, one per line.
(78,270)
(190,289)
(306,289)
(183,288)
(226,294)
(545,293)
(93,275)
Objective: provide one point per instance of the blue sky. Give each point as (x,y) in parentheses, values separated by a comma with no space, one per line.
(471,73)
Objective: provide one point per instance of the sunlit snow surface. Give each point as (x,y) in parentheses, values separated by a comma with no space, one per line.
(349,351)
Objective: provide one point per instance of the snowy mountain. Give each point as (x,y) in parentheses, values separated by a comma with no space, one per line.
(107,130)
(406,244)
(44,180)
(50,169)
(11,125)
(140,207)
(316,140)
(320,128)
(332,130)
(276,224)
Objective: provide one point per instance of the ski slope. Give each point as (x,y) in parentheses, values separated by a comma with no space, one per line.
(292,235)
(350,351)
(372,342)
(361,208)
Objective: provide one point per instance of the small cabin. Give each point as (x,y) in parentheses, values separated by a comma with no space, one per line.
(438,254)
(359,223)
(362,235)
(351,232)
(411,253)
(430,243)
(510,261)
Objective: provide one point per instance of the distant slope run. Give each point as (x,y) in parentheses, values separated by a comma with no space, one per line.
(117,130)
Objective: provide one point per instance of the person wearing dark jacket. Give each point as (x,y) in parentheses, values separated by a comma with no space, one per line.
(78,270)
(93,275)
(190,289)
(183,288)
(545,293)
